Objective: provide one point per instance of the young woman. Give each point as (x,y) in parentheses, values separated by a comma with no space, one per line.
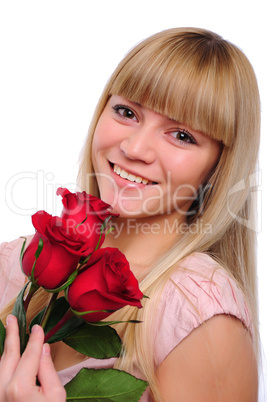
(173,148)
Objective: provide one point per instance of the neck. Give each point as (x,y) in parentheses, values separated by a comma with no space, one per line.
(144,241)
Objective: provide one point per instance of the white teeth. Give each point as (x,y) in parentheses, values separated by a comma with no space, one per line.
(117,169)
(131,177)
(122,173)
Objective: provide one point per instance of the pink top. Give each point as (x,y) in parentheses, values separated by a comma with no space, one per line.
(192,295)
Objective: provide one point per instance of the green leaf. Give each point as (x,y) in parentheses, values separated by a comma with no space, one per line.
(37,254)
(60,308)
(97,342)
(102,229)
(110,230)
(22,252)
(81,313)
(104,385)
(105,323)
(104,224)
(79,224)
(37,319)
(2,337)
(67,329)
(19,312)
(65,285)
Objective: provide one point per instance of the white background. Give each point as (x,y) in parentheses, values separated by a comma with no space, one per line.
(56,56)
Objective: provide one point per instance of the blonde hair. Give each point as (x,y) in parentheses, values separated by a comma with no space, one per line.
(195,77)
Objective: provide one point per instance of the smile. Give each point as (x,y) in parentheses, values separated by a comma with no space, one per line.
(129,176)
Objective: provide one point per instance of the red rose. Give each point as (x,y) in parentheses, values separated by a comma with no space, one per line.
(67,239)
(63,247)
(84,212)
(105,283)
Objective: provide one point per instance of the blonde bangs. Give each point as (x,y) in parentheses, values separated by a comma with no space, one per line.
(188,78)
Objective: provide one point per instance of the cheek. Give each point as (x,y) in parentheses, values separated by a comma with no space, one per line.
(98,146)
(190,173)
(97,140)
(105,137)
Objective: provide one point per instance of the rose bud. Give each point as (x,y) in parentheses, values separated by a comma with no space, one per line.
(63,247)
(105,283)
(85,212)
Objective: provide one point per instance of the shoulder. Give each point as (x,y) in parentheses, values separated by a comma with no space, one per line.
(210,288)
(215,362)
(10,251)
(12,277)
(198,290)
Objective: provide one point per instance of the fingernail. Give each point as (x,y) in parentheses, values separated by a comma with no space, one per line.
(46,349)
(9,319)
(35,328)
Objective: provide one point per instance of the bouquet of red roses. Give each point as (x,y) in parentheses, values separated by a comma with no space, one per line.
(65,254)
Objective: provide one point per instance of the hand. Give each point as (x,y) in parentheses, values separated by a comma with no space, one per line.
(18,373)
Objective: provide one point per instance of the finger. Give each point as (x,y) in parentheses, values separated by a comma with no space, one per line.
(48,377)
(11,355)
(28,365)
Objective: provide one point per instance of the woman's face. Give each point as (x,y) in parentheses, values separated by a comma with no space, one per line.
(147,164)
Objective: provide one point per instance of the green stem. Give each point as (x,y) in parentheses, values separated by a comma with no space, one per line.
(48,310)
(69,314)
(32,290)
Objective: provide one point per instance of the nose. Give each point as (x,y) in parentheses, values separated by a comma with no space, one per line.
(140,145)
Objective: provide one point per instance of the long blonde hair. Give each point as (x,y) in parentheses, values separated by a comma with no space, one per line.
(195,77)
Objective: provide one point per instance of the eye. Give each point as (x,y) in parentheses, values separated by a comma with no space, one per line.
(183,136)
(124,112)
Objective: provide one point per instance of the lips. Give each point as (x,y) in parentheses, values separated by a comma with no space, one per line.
(129,176)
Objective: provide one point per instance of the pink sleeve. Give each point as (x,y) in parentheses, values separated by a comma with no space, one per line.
(11,277)
(197,291)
